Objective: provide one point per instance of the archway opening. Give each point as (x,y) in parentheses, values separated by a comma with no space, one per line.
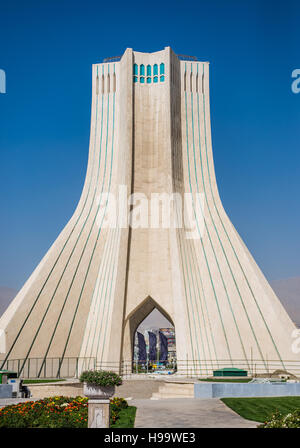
(154,348)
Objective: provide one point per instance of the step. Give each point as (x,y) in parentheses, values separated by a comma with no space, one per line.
(178,386)
(174,390)
(158,395)
(168,390)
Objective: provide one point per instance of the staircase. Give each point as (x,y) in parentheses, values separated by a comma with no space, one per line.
(174,390)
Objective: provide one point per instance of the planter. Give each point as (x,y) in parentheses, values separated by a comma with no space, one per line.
(101,392)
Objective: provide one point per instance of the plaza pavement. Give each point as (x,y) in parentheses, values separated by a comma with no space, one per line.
(187,413)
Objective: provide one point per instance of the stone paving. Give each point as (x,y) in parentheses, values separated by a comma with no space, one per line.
(187,413)
(138,389)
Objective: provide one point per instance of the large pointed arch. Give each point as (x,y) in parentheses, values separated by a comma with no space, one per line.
(135,318)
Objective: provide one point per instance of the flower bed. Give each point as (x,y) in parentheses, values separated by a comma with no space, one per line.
(279,420)
(54,412)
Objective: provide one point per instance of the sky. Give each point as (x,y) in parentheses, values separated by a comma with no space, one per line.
(47,49)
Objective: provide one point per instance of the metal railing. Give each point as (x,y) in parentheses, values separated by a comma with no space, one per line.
(112,59)
(72,367)
(186,57)
(194,368)
(51,367)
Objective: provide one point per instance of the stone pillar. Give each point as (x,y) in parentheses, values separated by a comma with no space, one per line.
(98,413)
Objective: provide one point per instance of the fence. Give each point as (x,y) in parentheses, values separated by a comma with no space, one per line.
(72,367)
(49,367)
(195,368)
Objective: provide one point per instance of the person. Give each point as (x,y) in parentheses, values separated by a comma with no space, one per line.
(24,390)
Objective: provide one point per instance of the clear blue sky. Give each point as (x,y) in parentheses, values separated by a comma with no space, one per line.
(47,49)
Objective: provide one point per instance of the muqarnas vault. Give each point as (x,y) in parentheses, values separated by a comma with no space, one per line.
(150,131)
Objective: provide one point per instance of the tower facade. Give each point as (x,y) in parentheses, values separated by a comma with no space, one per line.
(150,135)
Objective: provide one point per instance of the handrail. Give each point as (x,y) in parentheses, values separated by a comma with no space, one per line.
(112,59)
(72,367)
(185,57)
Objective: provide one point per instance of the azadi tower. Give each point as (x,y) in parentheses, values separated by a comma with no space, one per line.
(151,133)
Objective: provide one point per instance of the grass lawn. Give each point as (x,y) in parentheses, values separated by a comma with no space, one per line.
(224,380)
(126,418)
(41,381)
(260,409)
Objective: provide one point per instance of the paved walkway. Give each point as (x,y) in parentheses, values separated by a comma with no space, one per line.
(138,389)
(187,413)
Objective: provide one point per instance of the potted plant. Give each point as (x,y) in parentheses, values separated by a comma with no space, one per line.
(99,383)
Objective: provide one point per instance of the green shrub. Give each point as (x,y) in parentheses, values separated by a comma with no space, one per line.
(54,412)
(279,420)
(116,406)
(102,378)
